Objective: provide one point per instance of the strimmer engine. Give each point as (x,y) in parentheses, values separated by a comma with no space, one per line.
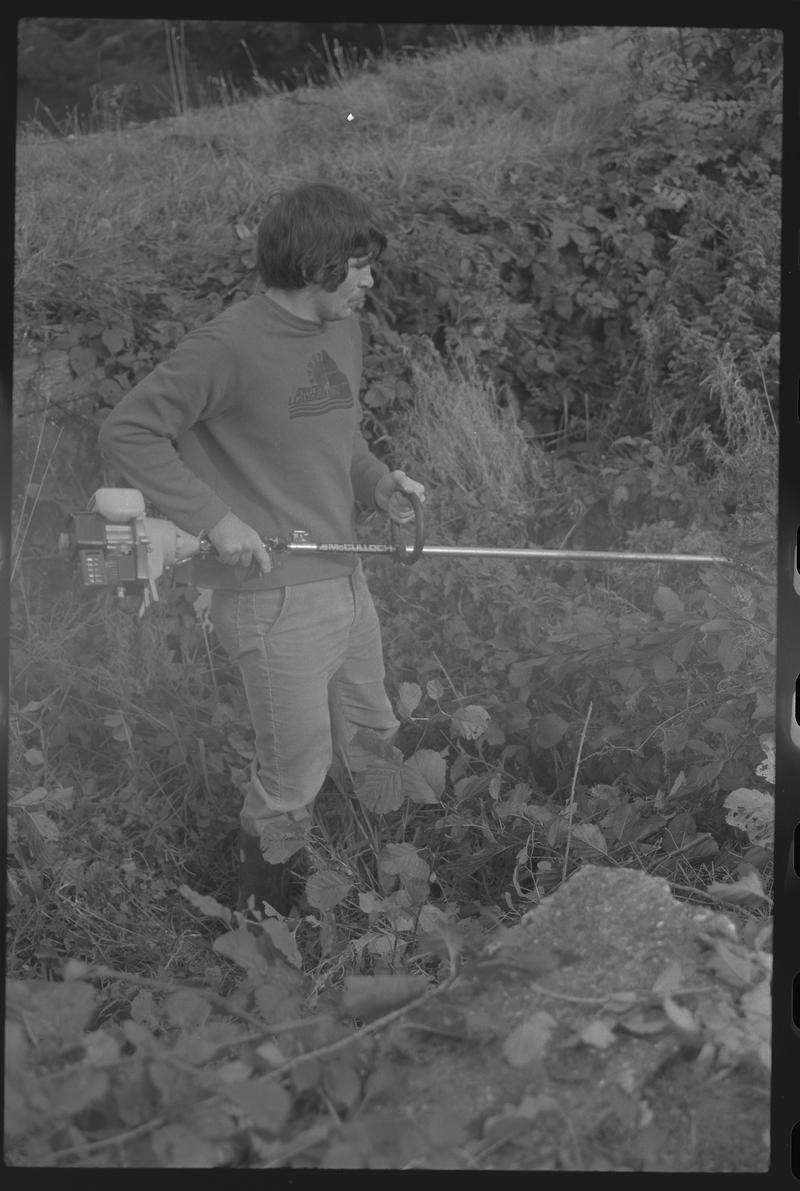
(118,547)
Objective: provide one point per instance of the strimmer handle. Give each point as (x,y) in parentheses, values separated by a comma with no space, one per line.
(402,553)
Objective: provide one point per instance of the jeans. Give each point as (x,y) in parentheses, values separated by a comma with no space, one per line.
(311,659)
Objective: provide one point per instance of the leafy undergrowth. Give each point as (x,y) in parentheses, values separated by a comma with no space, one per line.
(550,719)
(610,733)
(267,1075)
(573,343)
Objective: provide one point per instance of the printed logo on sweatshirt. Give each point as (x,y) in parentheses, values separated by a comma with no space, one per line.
(329,389)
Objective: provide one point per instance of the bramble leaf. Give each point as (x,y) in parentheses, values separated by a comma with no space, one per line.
(281,838)
(45,826)
(408,698)
(327,889)
(753,812)
(664,668)
(471,722)
(241,947)
(282,938)
(206,905)
(682,1018)
(423,776)
(746,891)
(668,603)
(588,837)
(380,787)
(548,731)
(403,860)
(29,797)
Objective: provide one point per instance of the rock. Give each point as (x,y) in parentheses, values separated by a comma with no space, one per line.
(624,925)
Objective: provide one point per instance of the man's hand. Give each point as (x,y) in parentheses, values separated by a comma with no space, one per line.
(237,544)
(389,495)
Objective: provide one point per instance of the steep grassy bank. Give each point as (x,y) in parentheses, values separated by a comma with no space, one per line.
(447,121)
(592,243)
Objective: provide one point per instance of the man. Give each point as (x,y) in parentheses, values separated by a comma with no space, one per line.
(250,429)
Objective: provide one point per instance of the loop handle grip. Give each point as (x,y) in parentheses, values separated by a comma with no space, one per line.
(402,553)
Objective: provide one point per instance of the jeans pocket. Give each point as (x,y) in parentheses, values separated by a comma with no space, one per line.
(239,616)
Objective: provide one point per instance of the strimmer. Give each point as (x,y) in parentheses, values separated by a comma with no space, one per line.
(118,546)
(298,543)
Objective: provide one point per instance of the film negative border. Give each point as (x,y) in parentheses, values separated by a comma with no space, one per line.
(785,1105)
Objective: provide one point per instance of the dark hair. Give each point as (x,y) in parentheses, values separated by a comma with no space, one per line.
(309,233)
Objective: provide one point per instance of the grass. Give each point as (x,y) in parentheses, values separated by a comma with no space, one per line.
(747,467)
(459,435)
(141,199)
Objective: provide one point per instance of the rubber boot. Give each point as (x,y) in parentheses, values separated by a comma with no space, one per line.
(272,883)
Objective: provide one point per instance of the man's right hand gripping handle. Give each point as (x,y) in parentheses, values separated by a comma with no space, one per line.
(238,544)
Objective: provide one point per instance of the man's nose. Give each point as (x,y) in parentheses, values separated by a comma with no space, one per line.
(366,280)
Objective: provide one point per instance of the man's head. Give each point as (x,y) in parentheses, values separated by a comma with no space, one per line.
(313,236)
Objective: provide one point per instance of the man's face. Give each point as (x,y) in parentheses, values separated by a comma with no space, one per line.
(347,298)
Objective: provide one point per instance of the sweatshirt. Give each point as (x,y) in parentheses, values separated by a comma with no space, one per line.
(255,413)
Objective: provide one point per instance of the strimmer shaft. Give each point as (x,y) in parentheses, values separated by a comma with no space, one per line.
(556,555)
(504,552)
(548,555)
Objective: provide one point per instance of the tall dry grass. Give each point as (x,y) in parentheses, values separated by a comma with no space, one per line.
(746,467)
(457,434)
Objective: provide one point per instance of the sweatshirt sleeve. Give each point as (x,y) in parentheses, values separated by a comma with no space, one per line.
(141,432)
(365,471)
